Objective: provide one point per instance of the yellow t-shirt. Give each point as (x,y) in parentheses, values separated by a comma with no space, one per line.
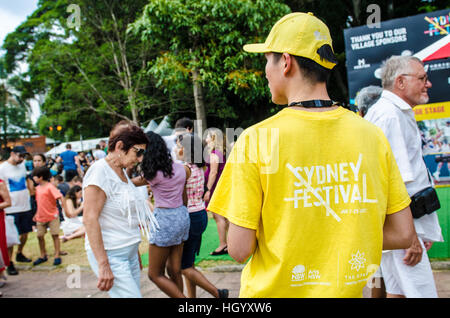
(316,187)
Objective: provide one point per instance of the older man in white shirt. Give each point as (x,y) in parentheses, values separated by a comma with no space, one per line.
(407,273)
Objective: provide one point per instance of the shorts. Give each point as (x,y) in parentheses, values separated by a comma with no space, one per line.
(173,226)
(411,281)
(53,225)
(199,221)
(23,221)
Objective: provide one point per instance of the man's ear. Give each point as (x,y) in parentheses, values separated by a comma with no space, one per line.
(287,59)
(399,82)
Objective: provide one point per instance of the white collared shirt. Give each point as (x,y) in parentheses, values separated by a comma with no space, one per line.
(396,118)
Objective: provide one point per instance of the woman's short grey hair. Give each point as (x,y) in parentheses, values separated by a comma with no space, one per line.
(395,66)
(367,96)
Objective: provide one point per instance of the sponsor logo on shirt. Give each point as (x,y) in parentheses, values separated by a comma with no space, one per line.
(302,275)
(357,271)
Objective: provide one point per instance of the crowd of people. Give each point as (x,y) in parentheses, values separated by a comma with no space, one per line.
(316,199)
(115,197)
(44,193)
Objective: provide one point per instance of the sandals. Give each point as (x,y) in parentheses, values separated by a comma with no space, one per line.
(223,251)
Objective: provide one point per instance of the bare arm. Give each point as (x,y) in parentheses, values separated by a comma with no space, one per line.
(241,242)
(71,211)
(214,168)
(398,230)
(4,193)
(79,167)
(31,187)
(139,181)
(94,200)
(188,175)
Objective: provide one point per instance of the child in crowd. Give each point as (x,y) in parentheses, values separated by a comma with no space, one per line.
(47,215)
(167,180)
(187,145)
(72,225)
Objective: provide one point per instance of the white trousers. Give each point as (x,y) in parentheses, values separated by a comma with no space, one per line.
(124,264)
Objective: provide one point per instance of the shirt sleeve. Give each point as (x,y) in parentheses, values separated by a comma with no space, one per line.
(96,176)
(397,195)
(393,132)
(238,195)
(55,192)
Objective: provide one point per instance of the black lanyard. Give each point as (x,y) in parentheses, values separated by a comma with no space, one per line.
(313,103)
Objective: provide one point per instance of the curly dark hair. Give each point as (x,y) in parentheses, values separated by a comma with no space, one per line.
(157,157)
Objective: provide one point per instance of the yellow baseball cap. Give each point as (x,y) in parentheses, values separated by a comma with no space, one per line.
(298,33)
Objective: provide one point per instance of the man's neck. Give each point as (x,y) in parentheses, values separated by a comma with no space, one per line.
(400,95)
(12,162)
(305,92)
(43,183)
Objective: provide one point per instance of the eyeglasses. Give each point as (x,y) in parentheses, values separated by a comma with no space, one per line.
(139,151)
(423,78)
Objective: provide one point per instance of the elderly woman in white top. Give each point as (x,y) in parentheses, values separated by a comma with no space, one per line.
(113,212)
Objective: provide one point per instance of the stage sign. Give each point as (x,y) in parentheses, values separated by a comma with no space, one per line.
(426,36)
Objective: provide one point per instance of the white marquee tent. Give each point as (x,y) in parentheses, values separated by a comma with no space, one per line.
(80,145)
(162,129)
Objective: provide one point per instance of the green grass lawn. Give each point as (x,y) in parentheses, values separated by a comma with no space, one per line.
(77,254)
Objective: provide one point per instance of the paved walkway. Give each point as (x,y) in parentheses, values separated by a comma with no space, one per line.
(82,284)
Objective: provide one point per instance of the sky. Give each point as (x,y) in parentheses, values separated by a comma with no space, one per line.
(12,14)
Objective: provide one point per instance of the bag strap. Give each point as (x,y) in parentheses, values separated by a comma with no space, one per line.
(428,171)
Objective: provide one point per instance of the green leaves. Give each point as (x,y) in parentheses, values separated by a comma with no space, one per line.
(208,36)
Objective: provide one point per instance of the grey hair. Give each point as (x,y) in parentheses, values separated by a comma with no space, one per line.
(395,66)
(367,96)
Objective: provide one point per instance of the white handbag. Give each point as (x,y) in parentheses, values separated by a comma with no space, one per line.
(12,235)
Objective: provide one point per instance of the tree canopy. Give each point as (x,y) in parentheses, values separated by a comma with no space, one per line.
(144,59)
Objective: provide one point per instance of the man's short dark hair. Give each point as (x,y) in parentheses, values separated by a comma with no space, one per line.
(43,172)
(184,122)
(312,71)
(68,146)
(59,178)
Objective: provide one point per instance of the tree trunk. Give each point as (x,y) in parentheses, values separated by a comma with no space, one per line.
(3,101)
(199,104)
(133,108)
(357,11)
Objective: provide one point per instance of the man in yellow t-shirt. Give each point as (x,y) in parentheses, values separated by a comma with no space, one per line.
(313,194)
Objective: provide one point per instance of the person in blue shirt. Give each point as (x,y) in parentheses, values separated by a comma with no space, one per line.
(70,162)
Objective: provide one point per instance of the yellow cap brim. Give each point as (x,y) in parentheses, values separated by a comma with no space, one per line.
(256,48)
